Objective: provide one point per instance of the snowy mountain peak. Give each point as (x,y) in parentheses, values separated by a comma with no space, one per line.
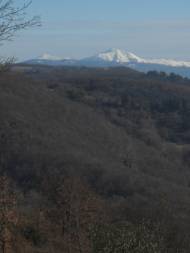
(118,56)
(48,57)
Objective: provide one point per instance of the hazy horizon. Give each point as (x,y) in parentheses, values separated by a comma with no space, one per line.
(150,29)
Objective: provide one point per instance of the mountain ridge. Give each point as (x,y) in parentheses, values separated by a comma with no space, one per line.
(117,57)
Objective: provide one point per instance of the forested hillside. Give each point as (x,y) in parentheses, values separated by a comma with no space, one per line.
(94,160)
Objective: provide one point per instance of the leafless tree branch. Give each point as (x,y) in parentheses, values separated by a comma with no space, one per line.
(14,19)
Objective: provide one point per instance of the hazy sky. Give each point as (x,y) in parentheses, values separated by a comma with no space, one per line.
(78,28)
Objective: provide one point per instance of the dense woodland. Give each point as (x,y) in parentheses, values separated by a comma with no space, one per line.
(94,161)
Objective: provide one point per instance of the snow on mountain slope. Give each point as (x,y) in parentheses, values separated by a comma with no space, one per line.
(110,57)
(119,56)
(48,57)
(167,62)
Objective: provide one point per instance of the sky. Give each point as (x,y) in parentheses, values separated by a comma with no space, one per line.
(80,28)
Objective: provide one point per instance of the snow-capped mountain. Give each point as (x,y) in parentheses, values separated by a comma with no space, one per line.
(116,57)
(47,59)
(112,57)
(167,62)
(122,57)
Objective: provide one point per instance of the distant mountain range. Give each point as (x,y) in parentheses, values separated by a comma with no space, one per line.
(114,58)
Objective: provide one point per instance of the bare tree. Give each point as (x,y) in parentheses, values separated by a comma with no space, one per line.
(14,18)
